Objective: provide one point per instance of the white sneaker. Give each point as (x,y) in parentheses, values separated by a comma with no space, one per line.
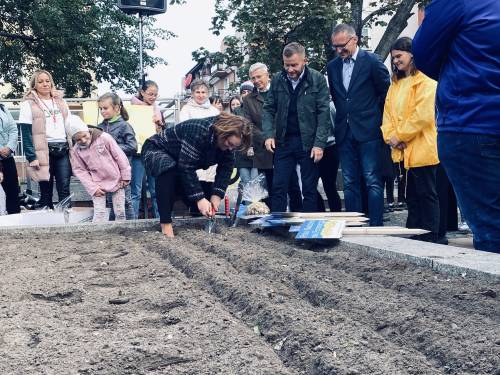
(463,227)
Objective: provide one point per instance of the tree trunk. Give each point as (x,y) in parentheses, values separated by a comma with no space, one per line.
(395,27)
(357,17)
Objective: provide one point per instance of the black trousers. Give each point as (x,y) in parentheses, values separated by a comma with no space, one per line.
(294,192)
(388,183)
(168,190)
(10,185)
(60,170)
(328,169)
(448,219)
(422,201)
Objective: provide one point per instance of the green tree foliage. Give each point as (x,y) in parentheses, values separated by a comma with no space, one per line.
(79,42)
(266,26)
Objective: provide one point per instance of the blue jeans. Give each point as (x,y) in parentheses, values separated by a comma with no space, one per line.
(362,159)
(472,163)
(286,158)
(136,186)
(248,174)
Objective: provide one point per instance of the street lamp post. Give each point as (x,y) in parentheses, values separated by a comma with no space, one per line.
(142,8)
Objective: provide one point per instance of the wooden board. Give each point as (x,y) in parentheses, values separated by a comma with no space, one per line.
(316,215)
(366,231)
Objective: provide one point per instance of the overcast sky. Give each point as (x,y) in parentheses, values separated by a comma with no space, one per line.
(191,23)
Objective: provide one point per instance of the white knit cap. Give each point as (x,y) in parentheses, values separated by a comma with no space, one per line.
(76,125)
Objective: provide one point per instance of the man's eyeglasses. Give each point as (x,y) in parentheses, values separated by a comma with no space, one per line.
(341,46)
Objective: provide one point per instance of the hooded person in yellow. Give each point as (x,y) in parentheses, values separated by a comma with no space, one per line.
(409,128)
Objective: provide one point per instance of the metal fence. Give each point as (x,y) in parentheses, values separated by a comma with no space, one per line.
(169,107)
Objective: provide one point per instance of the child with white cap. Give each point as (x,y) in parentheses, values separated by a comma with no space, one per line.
(101,166)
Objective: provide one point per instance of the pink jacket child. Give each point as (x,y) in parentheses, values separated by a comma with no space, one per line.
(101,166)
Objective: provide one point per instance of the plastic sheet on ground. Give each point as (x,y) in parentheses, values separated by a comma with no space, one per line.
(48,217)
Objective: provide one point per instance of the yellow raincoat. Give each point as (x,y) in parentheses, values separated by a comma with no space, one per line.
(409,116)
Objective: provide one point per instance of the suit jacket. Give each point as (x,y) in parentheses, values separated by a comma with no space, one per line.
(362,104)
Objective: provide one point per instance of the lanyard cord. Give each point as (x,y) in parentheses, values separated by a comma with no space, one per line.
(51,112)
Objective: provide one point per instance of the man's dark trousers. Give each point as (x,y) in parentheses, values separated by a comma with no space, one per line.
(287,156)
(472,163)
(362,159)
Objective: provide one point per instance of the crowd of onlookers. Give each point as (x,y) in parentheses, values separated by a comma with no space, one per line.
(295,128)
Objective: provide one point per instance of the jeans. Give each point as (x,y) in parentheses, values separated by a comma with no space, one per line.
(472,163)
(10,186)
(136,186)
(247,174)
(129,210)
(60,170)
(361,161)
(286,158)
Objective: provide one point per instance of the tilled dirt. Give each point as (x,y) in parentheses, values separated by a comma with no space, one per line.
(235,302)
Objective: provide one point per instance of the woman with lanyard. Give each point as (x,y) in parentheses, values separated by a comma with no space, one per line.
(43,119)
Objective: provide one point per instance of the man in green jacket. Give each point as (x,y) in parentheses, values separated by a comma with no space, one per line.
(296,125)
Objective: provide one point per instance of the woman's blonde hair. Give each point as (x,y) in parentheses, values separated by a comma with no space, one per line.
(34,79)
(227,125)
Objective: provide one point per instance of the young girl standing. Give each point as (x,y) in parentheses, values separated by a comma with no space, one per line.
(101,166)
(147,96)
(115,123)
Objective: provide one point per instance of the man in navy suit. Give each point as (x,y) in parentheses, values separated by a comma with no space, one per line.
(358,83)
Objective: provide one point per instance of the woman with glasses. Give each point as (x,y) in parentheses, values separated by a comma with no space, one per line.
(174,155)
(409,128)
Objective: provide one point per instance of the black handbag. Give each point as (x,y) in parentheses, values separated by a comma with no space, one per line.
(58,149)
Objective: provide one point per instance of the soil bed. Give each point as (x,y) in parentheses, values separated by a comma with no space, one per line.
(235,302)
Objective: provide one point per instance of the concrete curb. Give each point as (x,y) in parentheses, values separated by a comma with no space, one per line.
(443,259)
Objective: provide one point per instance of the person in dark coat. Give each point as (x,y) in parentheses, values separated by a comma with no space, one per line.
(328,169)
(296,124)
(174,155)
(457,45)
(358,82)
(262,159)
(8,145)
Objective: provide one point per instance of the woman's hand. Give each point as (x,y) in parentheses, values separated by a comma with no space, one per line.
(394,141)
(1,177)
(401,146)
(5,152)
(99,192)
(35,164)
(205,208)
(123,183)
(157,119)
(215,200)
